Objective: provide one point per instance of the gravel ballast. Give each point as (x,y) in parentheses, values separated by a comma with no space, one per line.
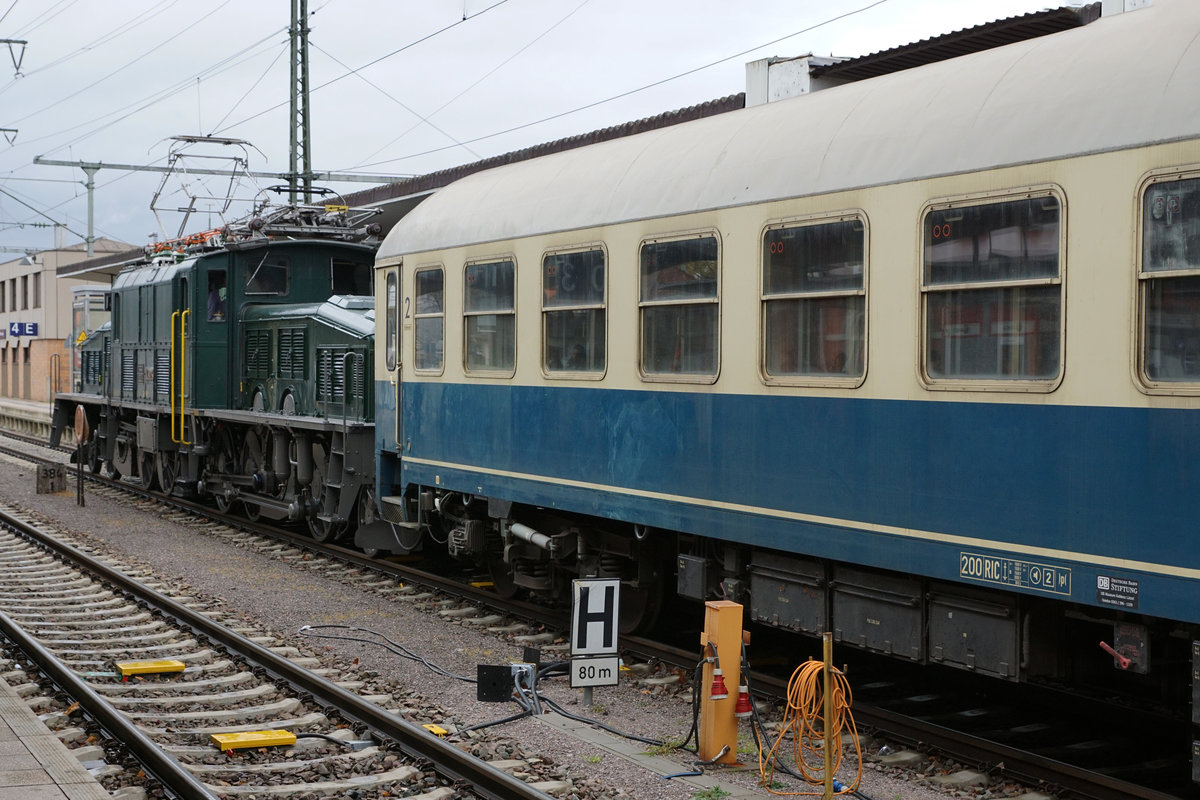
(284,598)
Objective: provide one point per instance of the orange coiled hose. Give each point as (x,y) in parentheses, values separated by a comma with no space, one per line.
(804,726)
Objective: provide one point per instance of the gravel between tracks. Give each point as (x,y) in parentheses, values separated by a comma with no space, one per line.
(284,598)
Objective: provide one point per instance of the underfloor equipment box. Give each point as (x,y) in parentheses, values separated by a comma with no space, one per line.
(973,633)
(788,592)
(878,612)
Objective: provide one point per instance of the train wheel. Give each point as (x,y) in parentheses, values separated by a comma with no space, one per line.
(166,468)
(640,608)
(148,472)
(92,458)
(366,515)
(253,460)
(324,531)
(321,530)
(224,463)
(502,579)
(123,459)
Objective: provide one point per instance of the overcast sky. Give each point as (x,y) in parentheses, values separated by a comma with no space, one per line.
(399,87)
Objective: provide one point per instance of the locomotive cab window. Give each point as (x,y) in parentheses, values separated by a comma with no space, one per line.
(217,295)
(992,305)
(814,301)
(489,318)
(678,305)
(1169,284)
(268,274)
(350,277)
(573,312)
(430,314)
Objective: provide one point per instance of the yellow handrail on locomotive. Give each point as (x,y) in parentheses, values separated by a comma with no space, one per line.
(177,412)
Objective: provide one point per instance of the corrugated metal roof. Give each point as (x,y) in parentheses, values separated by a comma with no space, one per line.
(436,180)
(960,43)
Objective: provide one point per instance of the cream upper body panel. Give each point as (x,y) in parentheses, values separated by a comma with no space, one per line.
(1120,82)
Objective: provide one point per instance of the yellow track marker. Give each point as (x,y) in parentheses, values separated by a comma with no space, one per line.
(234,741)
(127,668)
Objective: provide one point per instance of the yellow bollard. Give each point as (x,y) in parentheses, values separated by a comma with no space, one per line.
(718,725)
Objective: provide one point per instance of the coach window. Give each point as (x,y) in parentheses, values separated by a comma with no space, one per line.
(678,302)
(573,313)
(490,317)
(430,314)
(814,300)
(1169,283)
(391,323)
(992,292)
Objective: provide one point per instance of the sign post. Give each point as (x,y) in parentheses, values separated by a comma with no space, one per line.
(81,437)
(595,610)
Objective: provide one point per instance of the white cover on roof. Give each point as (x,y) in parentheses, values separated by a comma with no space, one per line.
(1119,82)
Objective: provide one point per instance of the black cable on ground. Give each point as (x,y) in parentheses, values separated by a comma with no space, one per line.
(324,736)
(699,766)
(597,723)
(390,646)
(519,715)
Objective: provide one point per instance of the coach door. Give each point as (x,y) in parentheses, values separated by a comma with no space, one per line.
(391,349)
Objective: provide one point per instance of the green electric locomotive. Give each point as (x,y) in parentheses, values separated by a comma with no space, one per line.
(237,367)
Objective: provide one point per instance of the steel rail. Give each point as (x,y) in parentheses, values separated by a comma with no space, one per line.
(156,761)
(416,742)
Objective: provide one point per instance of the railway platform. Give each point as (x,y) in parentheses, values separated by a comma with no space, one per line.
(34,764)
(28,417)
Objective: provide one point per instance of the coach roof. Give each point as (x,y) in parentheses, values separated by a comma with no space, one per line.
(1119,82)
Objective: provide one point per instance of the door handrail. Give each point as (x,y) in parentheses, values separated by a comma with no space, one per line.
(178,373)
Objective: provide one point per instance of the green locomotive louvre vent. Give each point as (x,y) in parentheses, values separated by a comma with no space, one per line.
(162,374)
(258,353)
(291,353)
(91,366)
(331,373)
(127,373)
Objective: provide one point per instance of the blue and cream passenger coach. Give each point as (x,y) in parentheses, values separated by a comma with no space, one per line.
(915,359)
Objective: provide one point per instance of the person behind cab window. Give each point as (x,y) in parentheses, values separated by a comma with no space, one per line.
(216,300)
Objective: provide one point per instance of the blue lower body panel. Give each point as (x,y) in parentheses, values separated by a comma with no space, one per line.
(1059,501)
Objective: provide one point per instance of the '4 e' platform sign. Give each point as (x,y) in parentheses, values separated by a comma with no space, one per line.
(595,610)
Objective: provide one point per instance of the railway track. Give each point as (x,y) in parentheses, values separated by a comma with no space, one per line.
(947,722)
(76,618)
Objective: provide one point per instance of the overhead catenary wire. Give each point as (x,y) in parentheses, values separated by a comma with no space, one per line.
(44,17)
(426,119)
(372,63)
(9,10)
(138,20)
(423,119)
(660,82)
(166,42)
